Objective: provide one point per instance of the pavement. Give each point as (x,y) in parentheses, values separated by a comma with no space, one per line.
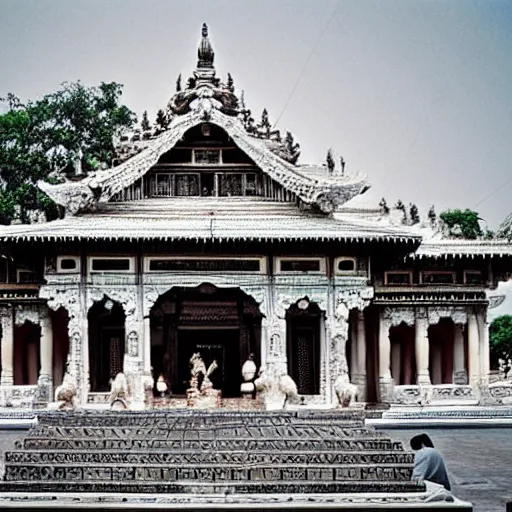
(479,461)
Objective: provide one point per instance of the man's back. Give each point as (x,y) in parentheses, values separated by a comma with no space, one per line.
(429,465)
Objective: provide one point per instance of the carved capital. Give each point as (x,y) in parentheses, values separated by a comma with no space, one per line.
(395,316)
(27,313)
(457,314)
(355,298)
(67,298)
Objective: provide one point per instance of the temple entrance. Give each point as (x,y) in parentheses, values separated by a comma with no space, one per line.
(221,324)
(106,343)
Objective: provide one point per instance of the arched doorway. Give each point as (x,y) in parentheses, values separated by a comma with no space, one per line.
(222,324)
(106,343)
(303,324)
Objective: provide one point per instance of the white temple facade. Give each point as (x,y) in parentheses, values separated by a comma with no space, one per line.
(207,236)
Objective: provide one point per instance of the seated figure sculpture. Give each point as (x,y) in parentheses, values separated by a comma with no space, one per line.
(201,393)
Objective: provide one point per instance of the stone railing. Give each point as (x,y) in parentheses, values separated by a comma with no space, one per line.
(441,394)
(17,396)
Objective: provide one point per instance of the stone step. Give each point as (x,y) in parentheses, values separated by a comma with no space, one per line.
(256,444)
(208,473)
(195,487)
(197,419)
(207,457)
(245,432)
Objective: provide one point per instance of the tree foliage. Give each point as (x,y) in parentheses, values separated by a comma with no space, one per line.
(330,162)
(74,123)
(462,223)
(500,338)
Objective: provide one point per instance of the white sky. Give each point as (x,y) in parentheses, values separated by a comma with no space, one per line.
(417,94)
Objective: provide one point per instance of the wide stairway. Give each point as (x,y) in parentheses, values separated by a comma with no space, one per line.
(207,453)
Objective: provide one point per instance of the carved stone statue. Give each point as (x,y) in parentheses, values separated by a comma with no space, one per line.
(277,388)
(119,393)
(248,373)
(65,394)
(201,393)
(345,391)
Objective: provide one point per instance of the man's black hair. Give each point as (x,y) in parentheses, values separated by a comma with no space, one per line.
(421,441)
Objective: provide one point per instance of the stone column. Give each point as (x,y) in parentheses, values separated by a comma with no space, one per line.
(422,348)
(354,370)
(460,375)
(146,340)
(360,370)
(473,350)
(385,379)
(7,350)
(44,391)
(484,347)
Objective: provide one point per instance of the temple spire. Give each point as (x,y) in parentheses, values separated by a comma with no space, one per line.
(205,52)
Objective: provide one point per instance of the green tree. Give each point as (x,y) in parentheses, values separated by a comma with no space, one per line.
(145,124)
(462,223)
(51,134)
(500,339)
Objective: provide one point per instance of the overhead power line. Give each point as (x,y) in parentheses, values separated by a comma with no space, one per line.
(306,63)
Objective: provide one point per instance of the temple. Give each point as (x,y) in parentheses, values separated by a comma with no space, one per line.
(207,236)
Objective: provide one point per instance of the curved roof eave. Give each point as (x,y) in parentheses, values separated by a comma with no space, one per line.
(100,187)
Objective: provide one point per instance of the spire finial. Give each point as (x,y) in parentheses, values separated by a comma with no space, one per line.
(205,53)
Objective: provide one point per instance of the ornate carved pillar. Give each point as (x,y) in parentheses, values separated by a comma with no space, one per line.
(276,345)
(460,375)
(44,393)
(473,350)
(359,378)
(7,350)
(421,344)
(484,346)
(386,383)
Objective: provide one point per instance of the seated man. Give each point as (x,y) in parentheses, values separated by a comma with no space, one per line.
(428,462)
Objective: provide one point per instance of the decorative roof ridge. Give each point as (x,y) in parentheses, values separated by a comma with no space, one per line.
(102,185)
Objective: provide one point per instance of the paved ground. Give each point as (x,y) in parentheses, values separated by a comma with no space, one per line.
(479,463)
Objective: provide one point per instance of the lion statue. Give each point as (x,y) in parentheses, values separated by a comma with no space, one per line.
(277,387)
(119,392)
(345,390)
(65,394)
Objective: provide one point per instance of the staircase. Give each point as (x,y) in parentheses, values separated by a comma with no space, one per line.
(207,453)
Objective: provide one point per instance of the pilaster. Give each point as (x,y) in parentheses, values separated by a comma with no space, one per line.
(359,378)
(386,383)
(473,350)
(460,375)
(44,391)
(421,344)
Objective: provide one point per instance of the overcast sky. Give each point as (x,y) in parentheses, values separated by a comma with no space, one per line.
(416,94)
